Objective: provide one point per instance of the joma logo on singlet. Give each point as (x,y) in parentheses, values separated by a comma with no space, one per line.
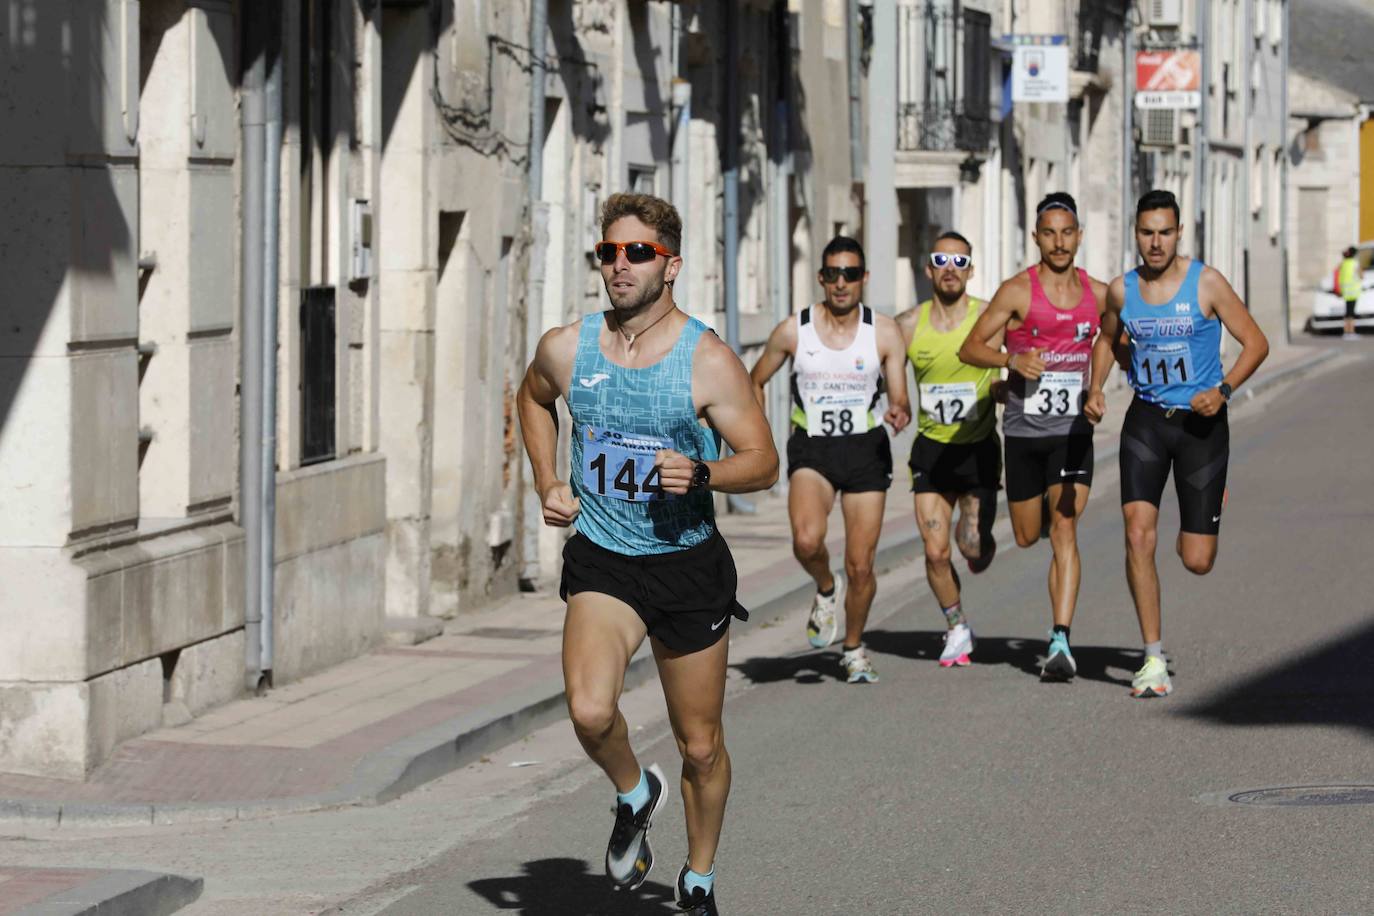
(1161,327)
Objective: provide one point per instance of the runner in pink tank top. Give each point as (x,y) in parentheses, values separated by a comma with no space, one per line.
(1049,445)
(1053,404)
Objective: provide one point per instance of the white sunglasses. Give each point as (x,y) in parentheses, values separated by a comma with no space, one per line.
(940,259)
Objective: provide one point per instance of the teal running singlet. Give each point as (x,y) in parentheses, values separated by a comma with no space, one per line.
(1175,349)
(621,418)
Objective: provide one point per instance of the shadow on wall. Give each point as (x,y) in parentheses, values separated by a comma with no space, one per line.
(569,887)
(61,223)
(1332,684)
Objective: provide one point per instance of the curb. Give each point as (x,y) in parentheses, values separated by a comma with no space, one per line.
(387,774)
(121,893)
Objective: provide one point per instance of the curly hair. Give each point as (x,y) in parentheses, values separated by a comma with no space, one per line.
(652,211)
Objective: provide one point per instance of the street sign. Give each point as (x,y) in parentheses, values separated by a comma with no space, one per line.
(1039,68)
(1168,79)
(1168,99)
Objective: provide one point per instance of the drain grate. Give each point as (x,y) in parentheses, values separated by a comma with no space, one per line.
(1304,796)
(508,633)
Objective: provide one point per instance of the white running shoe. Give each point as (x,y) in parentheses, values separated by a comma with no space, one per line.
(859,667)
(823,624)
(958,646)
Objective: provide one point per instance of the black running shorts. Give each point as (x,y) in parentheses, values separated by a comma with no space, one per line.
(940,467)
(685,598)
(1198,449)
(1350,307)
(860,463)
(1036,463)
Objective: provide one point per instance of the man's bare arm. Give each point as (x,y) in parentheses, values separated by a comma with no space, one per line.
(782,343)
(725,395)
(1217,294)
(1104,350)
(892,352)
(537,404)
(1009,302)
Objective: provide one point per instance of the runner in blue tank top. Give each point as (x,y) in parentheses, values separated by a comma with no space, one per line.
(647,560)
(1172,310)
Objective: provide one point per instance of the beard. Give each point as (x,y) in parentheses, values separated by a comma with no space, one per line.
(633,302)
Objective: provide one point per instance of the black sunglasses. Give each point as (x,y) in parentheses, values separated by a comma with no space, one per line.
(851,274)
(635,252)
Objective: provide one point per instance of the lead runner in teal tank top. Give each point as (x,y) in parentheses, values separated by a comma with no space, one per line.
(1172,310)
(649,390)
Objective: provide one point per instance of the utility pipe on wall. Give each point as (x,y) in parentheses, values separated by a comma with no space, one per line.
(539,238)
(271,258)
(253,128)
(730,149)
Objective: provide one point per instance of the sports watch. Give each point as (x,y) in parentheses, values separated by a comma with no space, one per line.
(701,475)
(1225,390)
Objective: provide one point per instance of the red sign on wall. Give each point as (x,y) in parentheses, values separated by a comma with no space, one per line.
(1168,79)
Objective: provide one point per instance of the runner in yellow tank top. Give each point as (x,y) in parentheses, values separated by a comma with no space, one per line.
(956,457)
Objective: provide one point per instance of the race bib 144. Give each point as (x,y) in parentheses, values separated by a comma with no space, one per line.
(621,465)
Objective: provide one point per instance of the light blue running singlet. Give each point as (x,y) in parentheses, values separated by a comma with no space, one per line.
(1175,349)
(621,418)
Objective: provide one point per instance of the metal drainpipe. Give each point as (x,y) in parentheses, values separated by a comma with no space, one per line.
(1127,153)
(856,114)
(1200,156)
(730,147)
(730,274)
(271,258)
(250,334)
(1283,180)
(534,286)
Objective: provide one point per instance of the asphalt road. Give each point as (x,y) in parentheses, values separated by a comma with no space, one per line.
(982,789)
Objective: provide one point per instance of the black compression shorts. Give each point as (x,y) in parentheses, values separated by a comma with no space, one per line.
(940,467)
(685,598)
(1198,449)
(1036,463)
(860,463)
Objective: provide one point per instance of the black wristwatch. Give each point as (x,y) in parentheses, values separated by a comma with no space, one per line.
(1225,390)
(701,475)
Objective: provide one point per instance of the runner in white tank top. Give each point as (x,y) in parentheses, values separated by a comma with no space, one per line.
(843,356)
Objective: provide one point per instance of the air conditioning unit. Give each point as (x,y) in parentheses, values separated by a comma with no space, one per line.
(1159,127)
(1164,13)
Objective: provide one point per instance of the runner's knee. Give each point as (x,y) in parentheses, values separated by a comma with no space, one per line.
(1198,560)
(1141,538)
(858,569)
(807,544)
(592,716)
(702,749)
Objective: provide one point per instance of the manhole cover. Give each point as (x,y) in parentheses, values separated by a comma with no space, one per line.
(508,633)
(1305,796)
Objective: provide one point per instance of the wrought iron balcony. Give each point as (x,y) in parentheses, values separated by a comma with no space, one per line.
(942,127)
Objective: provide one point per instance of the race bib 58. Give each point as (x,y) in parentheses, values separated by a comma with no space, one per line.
(836,414)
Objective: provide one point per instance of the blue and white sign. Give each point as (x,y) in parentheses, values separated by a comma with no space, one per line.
(1039,67)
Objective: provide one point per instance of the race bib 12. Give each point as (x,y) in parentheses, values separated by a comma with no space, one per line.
(950,403)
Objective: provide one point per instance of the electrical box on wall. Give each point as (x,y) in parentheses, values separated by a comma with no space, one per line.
(362,241)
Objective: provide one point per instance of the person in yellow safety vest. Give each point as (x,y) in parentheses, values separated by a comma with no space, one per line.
(1349,280)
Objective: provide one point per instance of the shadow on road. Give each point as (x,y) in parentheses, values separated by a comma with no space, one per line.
(1332,684)
(567,887)
(1095,663)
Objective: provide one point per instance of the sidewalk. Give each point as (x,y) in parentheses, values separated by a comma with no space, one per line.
(75,891)
(368,730)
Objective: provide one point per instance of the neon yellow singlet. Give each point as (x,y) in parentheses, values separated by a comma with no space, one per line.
(955,404)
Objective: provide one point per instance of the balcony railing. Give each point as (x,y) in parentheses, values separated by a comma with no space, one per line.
(942,127)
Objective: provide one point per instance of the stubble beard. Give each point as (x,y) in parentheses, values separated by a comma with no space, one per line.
(636,304)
